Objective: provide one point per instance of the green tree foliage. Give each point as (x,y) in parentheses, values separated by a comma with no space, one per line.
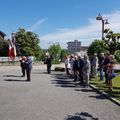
(28,43)
(4,48)
(111,41)
(55,51)
(117,55)
(96,46)
(63,54)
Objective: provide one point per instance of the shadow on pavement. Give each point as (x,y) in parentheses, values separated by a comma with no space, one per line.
(85,89)
(98,96)
(81,116)
(63,80)
(11,76)
(39,72)
(63,83)
(10,80)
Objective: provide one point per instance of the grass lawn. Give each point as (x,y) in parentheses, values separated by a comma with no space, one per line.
(103,87)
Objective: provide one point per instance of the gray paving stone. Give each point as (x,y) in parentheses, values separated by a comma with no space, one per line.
(50,97)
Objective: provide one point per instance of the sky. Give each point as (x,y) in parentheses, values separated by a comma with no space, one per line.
(59,21)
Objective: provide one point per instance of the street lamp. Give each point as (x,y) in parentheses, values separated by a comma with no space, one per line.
(104,21)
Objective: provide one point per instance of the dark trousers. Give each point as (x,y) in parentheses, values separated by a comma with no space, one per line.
(23,71)
(75,75)
(106,77)
(28,74)
(81,75)
(67,71)
(49,69)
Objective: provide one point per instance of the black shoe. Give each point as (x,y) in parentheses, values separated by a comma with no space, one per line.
(27,80)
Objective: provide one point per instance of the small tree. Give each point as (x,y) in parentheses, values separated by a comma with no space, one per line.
(111,41)
(28,43)
(54,51)
(63,54)
(96,46)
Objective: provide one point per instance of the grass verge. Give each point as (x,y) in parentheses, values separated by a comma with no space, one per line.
(105,88)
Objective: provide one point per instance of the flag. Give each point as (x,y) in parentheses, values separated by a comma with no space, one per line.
(12,50)
(14,47)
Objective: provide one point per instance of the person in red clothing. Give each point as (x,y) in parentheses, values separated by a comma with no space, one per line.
(110,71)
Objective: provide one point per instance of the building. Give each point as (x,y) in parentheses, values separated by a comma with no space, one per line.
(74,47)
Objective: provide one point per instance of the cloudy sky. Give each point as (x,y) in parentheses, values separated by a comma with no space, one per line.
(60,20)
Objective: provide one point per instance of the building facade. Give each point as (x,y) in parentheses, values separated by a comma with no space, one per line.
(74,47)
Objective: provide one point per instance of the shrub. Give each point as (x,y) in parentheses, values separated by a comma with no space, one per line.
(62,69)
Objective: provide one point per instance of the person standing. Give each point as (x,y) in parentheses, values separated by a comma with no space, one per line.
(71,65)
(80,70)
(101,63)
(110,71)
(94,66)
(22,65)
(49,64)
(67,64)
(86,70)
(75,68)
(105,65)
(28,67)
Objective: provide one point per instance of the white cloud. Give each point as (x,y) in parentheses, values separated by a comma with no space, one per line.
(37,25)
(84,34)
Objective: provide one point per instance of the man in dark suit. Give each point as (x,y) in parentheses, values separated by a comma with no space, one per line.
(28,67)
(49,64)
(22,65)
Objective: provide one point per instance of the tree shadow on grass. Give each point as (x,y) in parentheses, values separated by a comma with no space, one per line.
(118,88)
(81,116)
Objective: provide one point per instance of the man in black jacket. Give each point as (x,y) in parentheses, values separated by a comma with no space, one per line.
(49,64)
(22,65)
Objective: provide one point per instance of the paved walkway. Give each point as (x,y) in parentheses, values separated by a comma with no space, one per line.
(50,97)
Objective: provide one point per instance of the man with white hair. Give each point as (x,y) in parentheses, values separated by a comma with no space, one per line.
(95,66)
(86,70)
(101,63)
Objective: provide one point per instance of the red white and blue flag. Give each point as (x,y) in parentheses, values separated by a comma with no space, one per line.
(12,50)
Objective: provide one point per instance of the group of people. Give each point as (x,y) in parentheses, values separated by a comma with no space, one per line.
(81,68)
(26,66)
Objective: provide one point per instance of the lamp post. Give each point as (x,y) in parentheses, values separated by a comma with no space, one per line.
(104,21)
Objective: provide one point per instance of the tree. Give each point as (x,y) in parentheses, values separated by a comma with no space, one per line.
(4,47)
(55,51)
(28,43)
(117,55)
(63,54)
(96,46)
(111,41)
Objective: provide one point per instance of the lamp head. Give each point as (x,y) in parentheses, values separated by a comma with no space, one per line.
(99,17)
(106,21)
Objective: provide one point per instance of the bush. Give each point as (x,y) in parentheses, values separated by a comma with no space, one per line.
(55,62)
(59,69)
